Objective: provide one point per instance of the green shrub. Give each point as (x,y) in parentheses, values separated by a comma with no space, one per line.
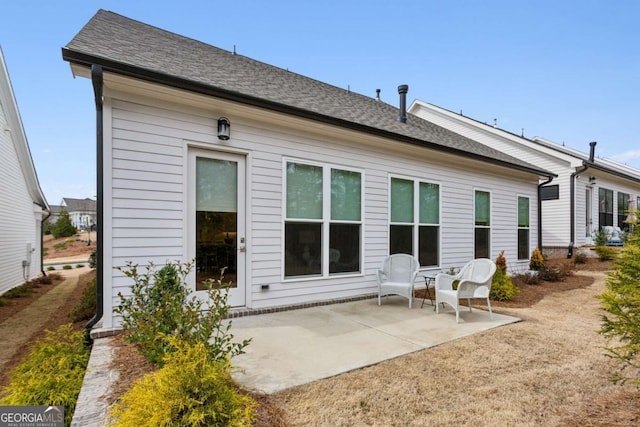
(581,258)
(526,278)
(67,267)
(86,308)
(605,253)
(51,268)
(537,260)
(63,226)
(92,259)
(502,288)
(45,252)
(600,237)
(21,291)
(79,265)
(52,373)
(161,306)
(501,262)
(555,273)
(190,390)
(60,245)
(621,302)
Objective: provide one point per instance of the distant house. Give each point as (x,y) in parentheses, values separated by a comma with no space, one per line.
(82,212)
(589,194)
(22,203)
(300,189)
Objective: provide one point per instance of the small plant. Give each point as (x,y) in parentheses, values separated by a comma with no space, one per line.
(92,259)
(87,305)
(44,280)
(600,237)
(581,258)
(67,267)
(537,260)
(79,265)
(51,268)
(526,278)
(555,273)
(45,252)
(605,253)
(21,291)
(501,262)
(63,226)
(52,374)
(190,390)
(161,306)
(502,288)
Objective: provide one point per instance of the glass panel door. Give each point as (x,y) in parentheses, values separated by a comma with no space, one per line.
(217,221)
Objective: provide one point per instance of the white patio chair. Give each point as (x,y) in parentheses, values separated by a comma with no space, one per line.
(475,282)
(397,275)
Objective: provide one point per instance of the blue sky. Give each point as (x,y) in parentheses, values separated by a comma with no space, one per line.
(568,71)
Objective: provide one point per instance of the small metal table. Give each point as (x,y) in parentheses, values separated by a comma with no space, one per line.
(429,280)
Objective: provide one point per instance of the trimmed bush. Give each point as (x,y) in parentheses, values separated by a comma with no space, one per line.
(190,390)
(161,306)
(502,288)
(52,374)
(63,226)
(51,268)
(537,260)
(605,253)
(555,273)
(581,258)
(67,267)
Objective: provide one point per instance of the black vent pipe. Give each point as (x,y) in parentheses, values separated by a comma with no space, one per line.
(402,90)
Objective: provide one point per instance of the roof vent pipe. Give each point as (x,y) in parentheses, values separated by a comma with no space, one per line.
(402,90)
(592,151)
(377,94)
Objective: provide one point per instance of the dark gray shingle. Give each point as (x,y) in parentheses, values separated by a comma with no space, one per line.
(121,43)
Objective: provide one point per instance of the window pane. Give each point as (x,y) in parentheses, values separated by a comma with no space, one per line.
(344,248)
(428,246)
(523,212)
(304,191)
(303,249)
(345,195)
(481,243)
(216,247)
(429,203)
(605,207)
(523,243)
(401,239)
(401,200)
(483,210)
(216,185)
(623,210)
(638,203)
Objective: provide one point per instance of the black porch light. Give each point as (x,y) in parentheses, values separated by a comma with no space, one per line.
(224,128)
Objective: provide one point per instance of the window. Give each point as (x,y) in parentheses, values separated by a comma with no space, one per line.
(482,237)
(323,220)
(638,203)
(415,220)
(523,227)
(623,210)
(605,207)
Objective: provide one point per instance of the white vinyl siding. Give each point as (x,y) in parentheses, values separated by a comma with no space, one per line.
(148,190)
(19,216)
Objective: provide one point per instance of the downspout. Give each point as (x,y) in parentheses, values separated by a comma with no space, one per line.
(542,184)
(42,243)
(97,81)
(572,196)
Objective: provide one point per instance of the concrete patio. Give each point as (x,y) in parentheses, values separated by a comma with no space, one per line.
(295,347)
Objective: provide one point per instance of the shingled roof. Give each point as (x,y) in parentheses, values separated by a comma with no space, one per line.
(128,47)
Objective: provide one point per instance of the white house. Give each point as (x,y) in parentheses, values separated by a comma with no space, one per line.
(82,212)
(22,203)
(588,194)
(299,188)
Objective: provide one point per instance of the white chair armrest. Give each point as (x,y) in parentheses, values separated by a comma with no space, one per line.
(444,281)
(380,276)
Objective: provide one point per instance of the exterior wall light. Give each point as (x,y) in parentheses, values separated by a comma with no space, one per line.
(224,128)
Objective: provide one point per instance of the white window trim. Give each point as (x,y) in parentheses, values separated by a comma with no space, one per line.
(473,219)
(518,228)
(416,216)
(325,221)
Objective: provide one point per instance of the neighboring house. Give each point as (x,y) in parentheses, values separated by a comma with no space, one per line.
(590,193)
(54,211)
(82,212)
(22,203)
(299,188)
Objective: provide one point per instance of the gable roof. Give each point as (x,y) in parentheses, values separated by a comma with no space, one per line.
(580,158)
(79,205)
(128,47)
(18,136)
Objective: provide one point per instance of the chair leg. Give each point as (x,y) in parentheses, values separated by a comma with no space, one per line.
(458,314)
(490,312)
(378,298)
(469,304)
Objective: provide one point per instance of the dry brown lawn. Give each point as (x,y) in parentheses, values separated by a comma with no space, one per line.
(548,370)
